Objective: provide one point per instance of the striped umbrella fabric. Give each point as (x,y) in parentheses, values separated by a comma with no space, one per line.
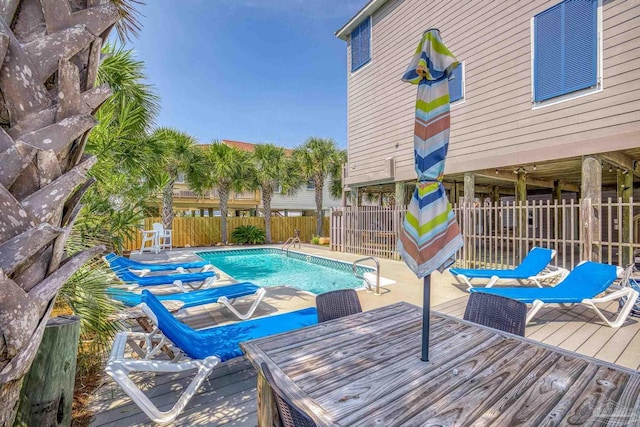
(430,235)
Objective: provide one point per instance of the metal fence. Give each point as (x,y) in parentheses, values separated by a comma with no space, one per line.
(499,235)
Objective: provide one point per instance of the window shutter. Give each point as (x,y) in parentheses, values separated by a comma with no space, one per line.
(548,53)
(581,41)
(455,84)
(566,49)
(355,48)
(360,45)
(365,38)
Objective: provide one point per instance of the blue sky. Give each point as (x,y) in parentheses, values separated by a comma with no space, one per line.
(248,70)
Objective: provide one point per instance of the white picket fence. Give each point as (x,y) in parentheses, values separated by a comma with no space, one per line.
(499,235)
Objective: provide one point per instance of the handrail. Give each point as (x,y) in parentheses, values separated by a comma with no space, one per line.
(290,241)
(355,272)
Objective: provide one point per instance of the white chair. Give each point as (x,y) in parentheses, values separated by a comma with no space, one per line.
(163,236)
(149,236)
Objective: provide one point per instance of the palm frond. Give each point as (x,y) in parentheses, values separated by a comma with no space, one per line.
(129,23)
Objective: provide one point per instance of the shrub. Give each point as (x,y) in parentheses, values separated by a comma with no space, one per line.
(315,240)
(248,234)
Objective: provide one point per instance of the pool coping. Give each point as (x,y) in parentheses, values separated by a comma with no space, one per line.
(303,257)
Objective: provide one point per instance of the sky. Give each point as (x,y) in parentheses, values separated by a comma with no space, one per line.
(248,70)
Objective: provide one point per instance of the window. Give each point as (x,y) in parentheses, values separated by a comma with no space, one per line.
(361,45)
(311,185)
(277,188)
(565,49)
(456,84)
(180,179)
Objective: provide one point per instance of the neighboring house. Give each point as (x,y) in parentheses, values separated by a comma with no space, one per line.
(248,203)
(546,95)
(300,203)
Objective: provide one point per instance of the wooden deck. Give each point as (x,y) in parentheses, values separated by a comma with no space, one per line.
(228,398)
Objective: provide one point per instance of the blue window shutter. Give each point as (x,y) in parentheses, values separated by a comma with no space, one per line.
(360,45)
(355,48)
(365,41)
(566,49)
(548,53)
(581,45)
(455,84)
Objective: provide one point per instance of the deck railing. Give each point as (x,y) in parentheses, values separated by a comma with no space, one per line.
(499,235)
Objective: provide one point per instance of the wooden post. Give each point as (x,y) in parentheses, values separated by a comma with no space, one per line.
(521,202)
(495,194)
(557,196)
(267,410)
(625,192)
(590,213)
(469,187)
(47,391)
(400,194)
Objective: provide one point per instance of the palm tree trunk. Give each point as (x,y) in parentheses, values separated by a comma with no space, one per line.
(47,96)
(223,193)
(266,204)
(167,205)
(319,184)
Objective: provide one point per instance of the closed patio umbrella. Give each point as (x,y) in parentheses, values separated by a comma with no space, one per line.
(430,236)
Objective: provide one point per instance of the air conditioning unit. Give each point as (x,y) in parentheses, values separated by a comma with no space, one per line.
(390,167)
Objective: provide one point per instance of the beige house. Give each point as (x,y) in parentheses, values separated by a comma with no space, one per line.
(548,95)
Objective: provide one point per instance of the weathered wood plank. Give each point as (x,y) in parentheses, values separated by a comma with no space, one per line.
(475,374)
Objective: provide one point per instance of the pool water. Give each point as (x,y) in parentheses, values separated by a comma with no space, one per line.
(272,267)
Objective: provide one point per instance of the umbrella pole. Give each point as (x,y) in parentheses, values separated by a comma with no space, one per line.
(426,312)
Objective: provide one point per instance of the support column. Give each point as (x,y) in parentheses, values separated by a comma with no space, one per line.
(625,192)
(210,212)
(591,190)
(495,194)
(469,187)
(400,194)
(521,186)
(557,197)
(354,195)
(286,212)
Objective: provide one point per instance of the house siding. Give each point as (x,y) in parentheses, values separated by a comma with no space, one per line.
(304,200)
(496,125)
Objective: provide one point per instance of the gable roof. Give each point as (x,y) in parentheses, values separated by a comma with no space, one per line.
(368,10)
(247,146)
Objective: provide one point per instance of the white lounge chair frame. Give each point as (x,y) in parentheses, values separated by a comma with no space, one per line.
(119,367)
(550,272)
(227,303)
(180,270)
(629,293)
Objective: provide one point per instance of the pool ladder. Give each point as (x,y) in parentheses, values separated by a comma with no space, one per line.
(291,241)
(354,267)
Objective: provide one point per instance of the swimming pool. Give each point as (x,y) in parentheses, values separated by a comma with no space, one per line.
(272,267)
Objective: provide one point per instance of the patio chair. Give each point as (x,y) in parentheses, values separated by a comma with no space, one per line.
(206,348)
(204,279)
(582,286)
(497,312)
(144,268)
(335,304)
(290,414)
(164,236)
(535,267)
(224,295)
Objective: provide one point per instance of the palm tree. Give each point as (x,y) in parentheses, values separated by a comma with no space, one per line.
(180,154)
(273,168)
(228,170)
(319,159)
(47,83)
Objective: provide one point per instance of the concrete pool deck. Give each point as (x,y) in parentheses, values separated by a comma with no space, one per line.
(407,288)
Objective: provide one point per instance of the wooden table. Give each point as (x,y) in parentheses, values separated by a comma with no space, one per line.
(365,370)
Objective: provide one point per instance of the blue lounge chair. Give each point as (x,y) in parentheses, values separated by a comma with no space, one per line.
(116,261)
(204,279)
(206,348)
(221,294)
(535,267)
(582,286)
